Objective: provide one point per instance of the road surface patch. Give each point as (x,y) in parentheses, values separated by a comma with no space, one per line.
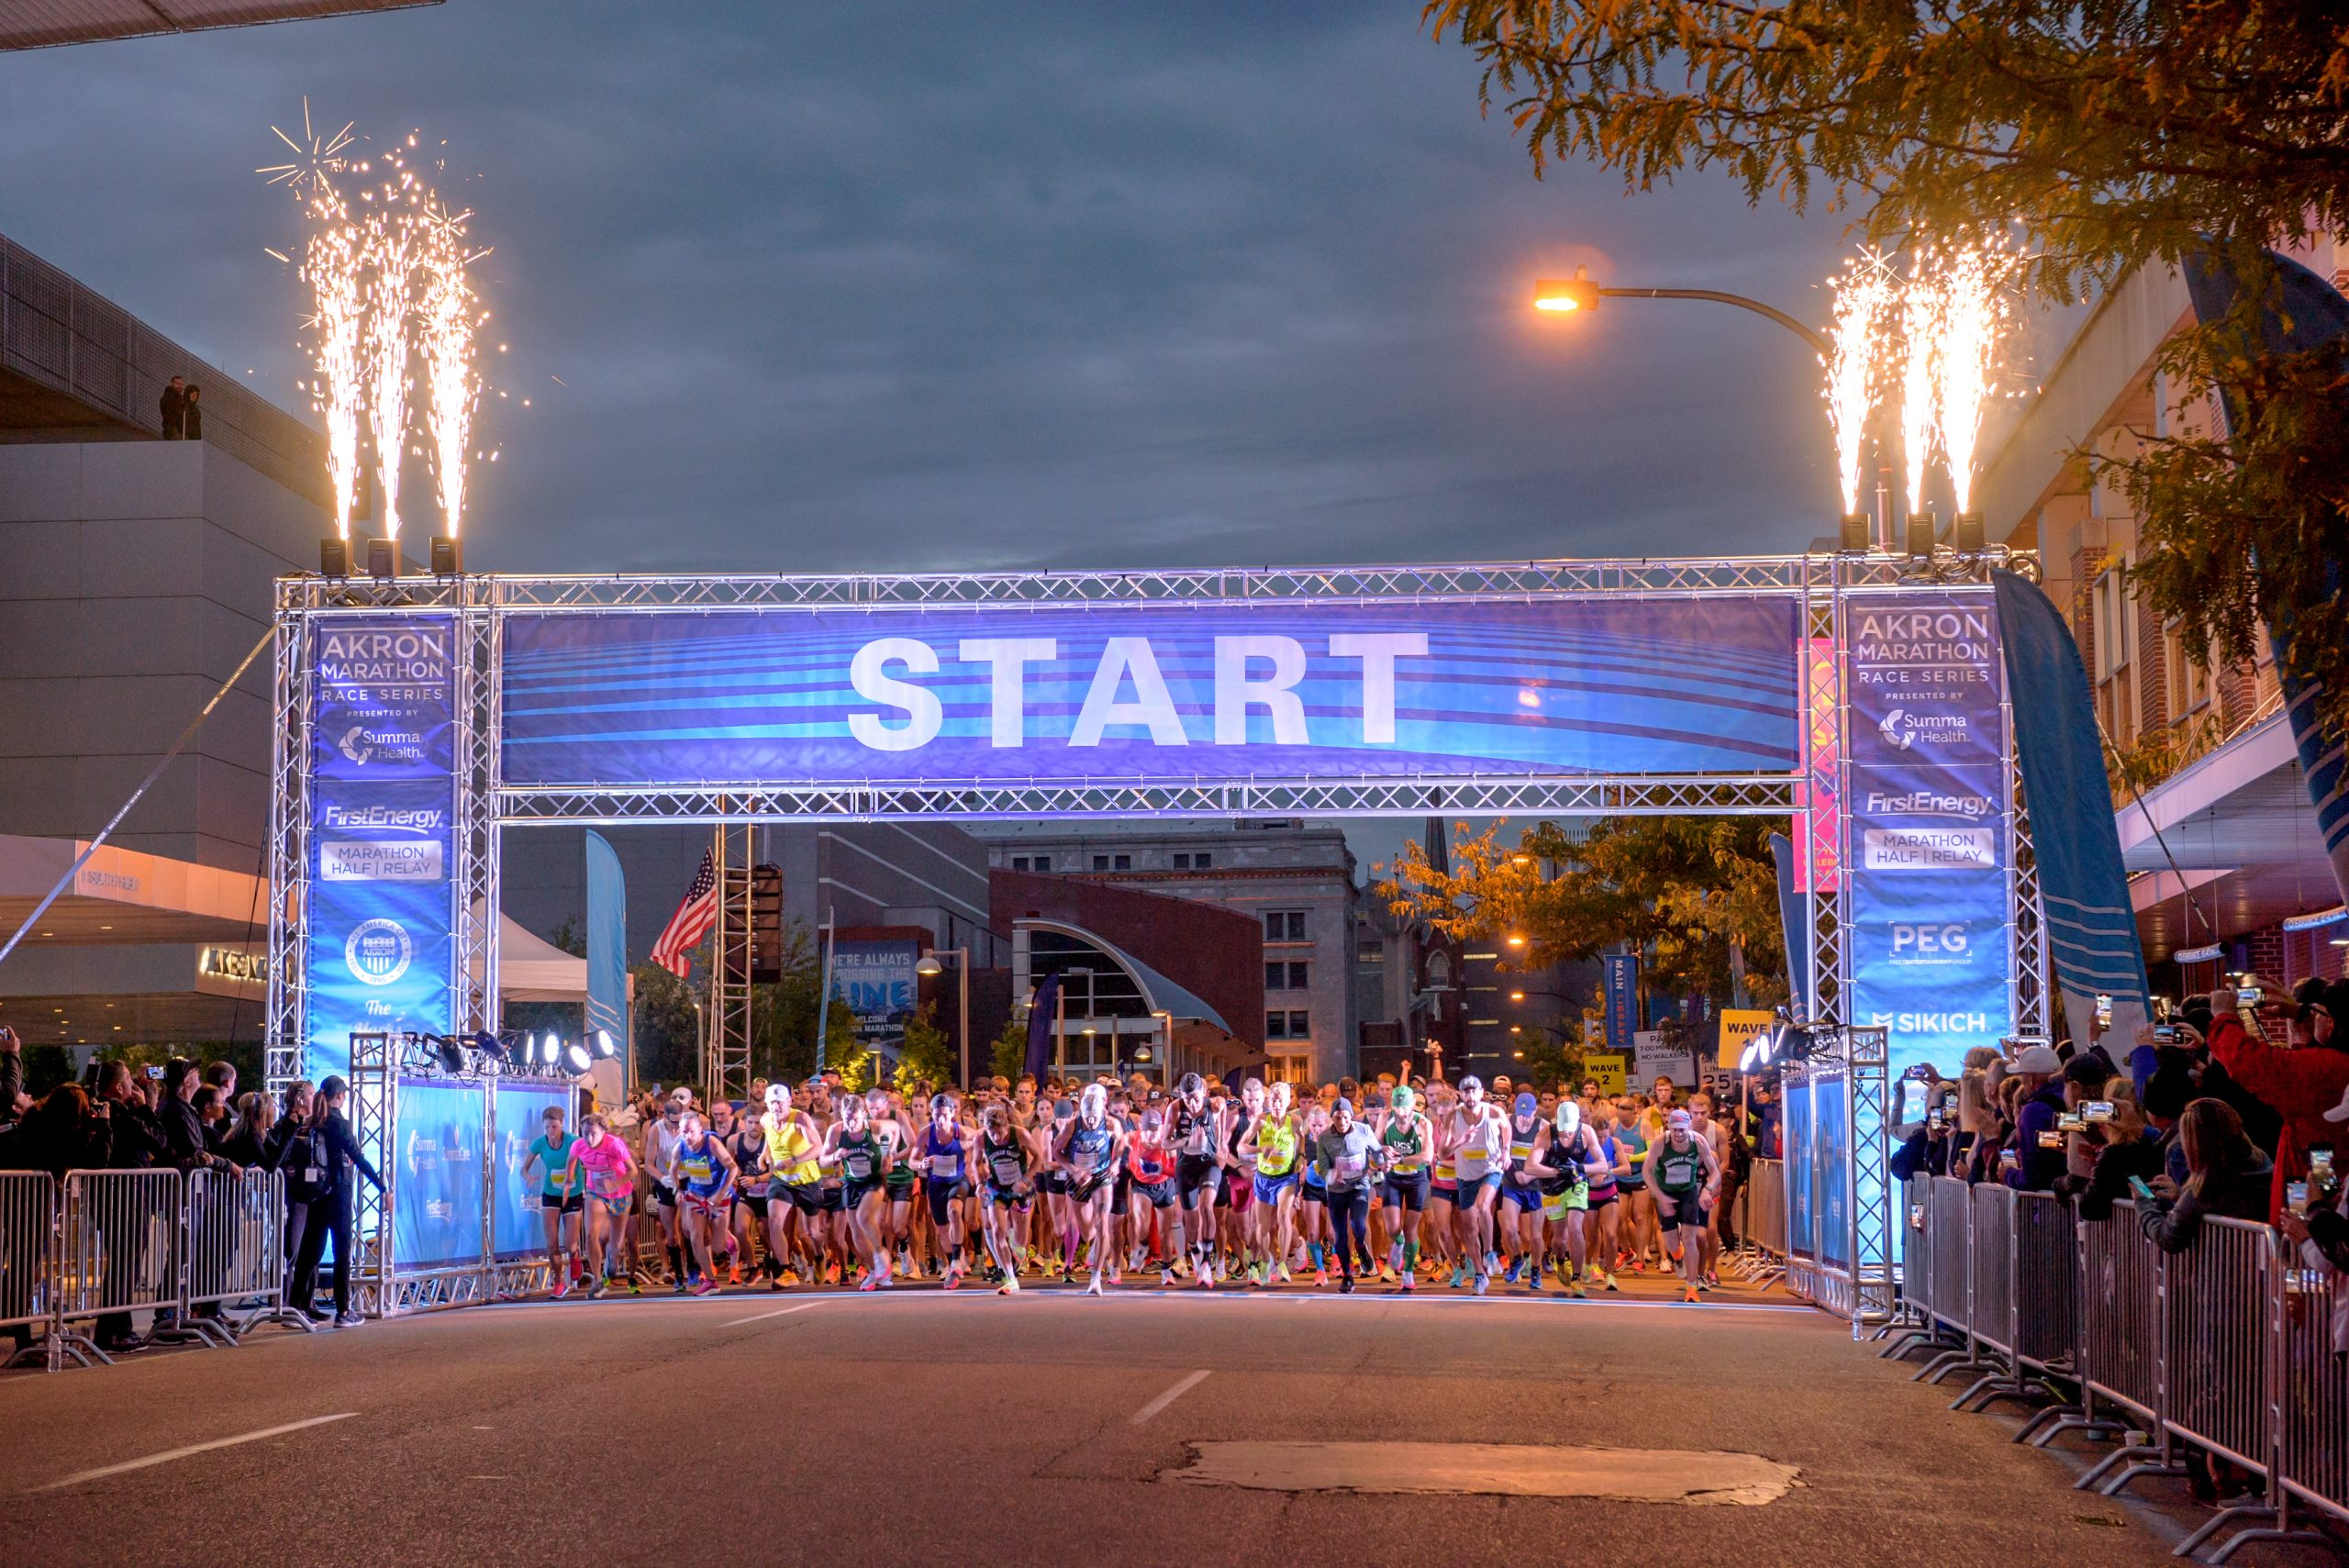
(1513,1470)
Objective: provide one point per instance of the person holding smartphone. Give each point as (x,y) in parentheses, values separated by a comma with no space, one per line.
(2300,1080)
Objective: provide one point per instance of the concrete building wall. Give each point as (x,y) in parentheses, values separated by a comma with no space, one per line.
(134,575)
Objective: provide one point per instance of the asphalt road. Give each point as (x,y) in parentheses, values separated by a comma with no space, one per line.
(917,1426)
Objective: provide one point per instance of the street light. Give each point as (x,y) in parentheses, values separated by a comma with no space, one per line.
(1517,942)
(1558,296)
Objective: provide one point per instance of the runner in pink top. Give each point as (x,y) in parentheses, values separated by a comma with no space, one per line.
(602,1167)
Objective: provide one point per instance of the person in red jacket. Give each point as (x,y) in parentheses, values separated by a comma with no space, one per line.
(2302,1081)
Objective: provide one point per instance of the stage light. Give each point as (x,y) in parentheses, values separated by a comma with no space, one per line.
(491,1048)
(576,1057)
(451,1054)
(605,1046)
(549,1049)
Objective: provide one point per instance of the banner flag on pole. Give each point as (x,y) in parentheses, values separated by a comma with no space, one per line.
(607,940)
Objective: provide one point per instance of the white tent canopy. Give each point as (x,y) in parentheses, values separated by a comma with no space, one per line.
(531,969)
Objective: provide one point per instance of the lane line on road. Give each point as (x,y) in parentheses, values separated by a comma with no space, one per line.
(762,1316)
(169,1454)
(1164,1400)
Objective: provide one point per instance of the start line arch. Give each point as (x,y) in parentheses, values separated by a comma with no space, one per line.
(1864,697)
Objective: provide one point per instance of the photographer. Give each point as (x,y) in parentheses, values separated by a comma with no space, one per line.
(2300,1080)
(185,1145)
(2321,1237)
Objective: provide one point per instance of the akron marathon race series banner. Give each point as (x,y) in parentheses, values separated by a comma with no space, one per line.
(383,769)
(1172,694)
(1929,802)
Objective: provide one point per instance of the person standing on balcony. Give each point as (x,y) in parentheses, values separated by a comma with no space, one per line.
(174,407)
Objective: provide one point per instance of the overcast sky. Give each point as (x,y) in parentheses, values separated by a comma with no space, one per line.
(920,287)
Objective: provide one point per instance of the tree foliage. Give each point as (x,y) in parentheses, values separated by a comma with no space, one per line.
(2114,133)
(1007,1058)
(1684,892)
(927,1055)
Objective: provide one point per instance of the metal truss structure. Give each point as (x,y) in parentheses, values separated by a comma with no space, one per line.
(1844,1261)
(1824,587)
(725,1030)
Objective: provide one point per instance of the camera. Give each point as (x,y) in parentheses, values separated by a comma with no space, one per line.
(2068,1122)
(2165,1034)
(2103,1011)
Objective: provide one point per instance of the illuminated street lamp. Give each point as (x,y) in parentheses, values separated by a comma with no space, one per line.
(1559,296)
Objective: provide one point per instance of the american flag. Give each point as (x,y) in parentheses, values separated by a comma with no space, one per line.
(691,922)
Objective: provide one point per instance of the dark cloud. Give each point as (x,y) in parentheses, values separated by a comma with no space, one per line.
(924,287)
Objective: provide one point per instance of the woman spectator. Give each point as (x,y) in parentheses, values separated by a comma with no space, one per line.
(279,1155)
(2130,1148)
(60,1133)
(330,1153)
(2227,1177)
(248,1141)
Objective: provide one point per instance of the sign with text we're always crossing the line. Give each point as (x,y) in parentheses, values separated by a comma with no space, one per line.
(1133,693)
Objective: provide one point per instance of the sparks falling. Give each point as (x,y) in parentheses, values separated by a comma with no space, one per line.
(391,249)
(1862,322)
(1920,384)
(1974,312)
(447,317)
(330,265)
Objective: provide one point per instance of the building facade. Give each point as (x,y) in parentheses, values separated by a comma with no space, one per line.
(1295,880)
(2227,868)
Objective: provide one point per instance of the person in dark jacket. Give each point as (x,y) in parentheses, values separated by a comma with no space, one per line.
(329,1154)
(12,1073)
(172,406)
(62,1134)
(2132,1147)
(185,1144)
(192,415)
(2227,1177)
(2037,1164)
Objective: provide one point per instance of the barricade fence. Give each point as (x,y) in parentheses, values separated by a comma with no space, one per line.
(205,1253)
(2228,1346)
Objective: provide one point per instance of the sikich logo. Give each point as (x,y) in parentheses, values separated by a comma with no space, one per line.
(378,951)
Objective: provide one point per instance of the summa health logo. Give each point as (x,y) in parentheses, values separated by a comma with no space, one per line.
(1902,729)
(378,951)
(355,745)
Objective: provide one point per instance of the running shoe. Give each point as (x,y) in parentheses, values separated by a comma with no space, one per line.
(954,1279)
(1705,1285)
(686,1286)
(1609,1280)
(1386,1274)
(734,1272)
(1093,1287)
(562,1288)
(706,1287)
(1116,1274)
(635,1286)
(1516,1269)
(1459,1275)
(1571,1291)
(595,1291)
(1166,1279)
(870,1282)
(1010,1285)
(1481,1278)
(1321,1279)
(1404,1285)
(1689,1294)
(1281,1269)
(1346,1286)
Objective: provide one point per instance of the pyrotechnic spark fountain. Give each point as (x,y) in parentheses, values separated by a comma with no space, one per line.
(445,324)
(390,247)
(1863,318)
(1972,312)
(315,157)
(1920,335)
(330,265)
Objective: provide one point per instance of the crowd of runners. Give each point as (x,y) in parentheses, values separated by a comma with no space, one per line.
(1206,1186)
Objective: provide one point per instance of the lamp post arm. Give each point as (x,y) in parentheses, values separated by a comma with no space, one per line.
(1809,335)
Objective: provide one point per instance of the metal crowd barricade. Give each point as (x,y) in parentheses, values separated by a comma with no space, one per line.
(1948,1215)
(2312,1390)
(235,1256)
(1990,1304)
(1913,1326)
(1764,1224)
(27,1249)
(118,1251)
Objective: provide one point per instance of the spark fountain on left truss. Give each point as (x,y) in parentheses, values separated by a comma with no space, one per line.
(387,266)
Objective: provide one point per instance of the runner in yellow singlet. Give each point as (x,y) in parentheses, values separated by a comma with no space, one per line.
(1273,1142)
(794,1184)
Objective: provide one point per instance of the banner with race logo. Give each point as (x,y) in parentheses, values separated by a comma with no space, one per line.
(1929,798)
(383,769)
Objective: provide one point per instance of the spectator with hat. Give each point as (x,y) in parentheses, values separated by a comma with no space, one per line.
(2038,1145)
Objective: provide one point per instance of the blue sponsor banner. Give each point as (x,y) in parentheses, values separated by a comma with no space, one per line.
(1620,999)
(515,1229)
(382,790)
(436,1175)
(1177,694)
(1929,804)
(876,981)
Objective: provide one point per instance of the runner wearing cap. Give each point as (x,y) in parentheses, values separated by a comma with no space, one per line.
(795,1185)
(661,1135)
(1684,1175)
(1405,1137)
(1089,1152)
(1521,1215)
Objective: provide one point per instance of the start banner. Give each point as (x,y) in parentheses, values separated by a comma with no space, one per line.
(1151,694)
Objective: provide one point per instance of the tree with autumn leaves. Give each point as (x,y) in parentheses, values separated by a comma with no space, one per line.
(2113,134)
(1696,898)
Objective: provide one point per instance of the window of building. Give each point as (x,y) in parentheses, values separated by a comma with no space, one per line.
(1284,977)
(2189,681)
(2114,623)
(1121,863)
(1100,862)
(1195,860)
(1032,863)
(1285,925)
(1370,952)
(1288,1024)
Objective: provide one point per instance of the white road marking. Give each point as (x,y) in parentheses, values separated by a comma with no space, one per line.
(169,1454)
(762,1316)
(1164,1400)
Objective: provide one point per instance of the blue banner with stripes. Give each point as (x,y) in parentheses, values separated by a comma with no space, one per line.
(2091,927)
(1130,694)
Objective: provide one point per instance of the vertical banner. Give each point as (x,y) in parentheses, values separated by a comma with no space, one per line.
(1928,805)
(1621,998)
(875,980)
(606,941)
(383,769)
